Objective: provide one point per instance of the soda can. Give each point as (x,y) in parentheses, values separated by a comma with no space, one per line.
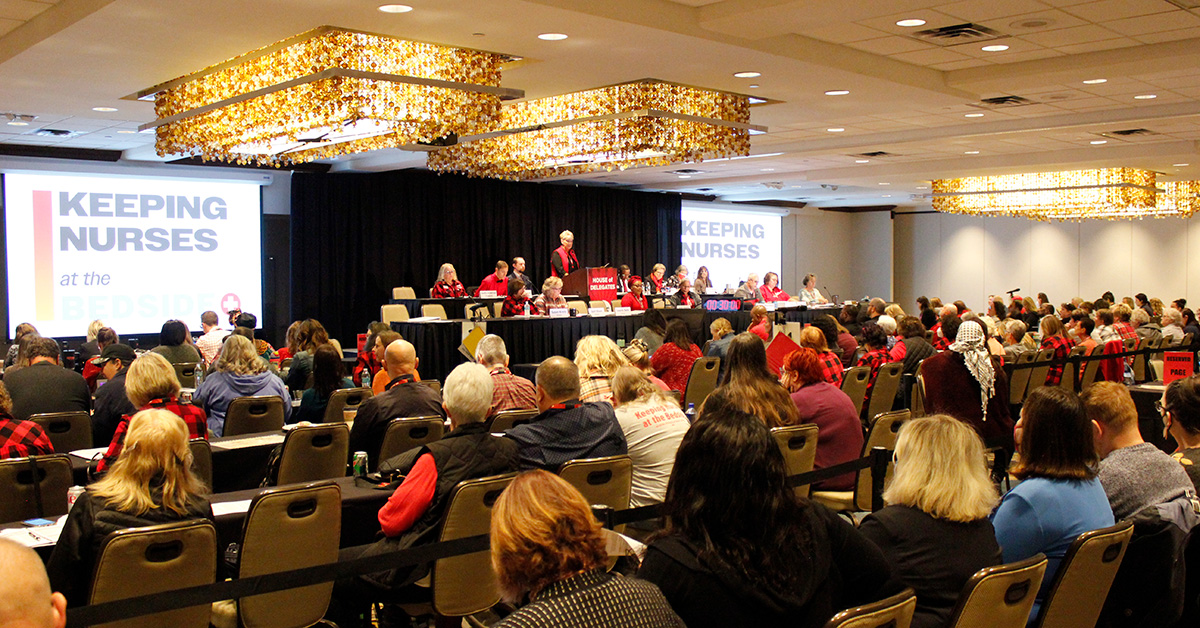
(360,463)
(73,494)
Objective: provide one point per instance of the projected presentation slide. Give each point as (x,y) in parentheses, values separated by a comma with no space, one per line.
(732,244)
(132,252)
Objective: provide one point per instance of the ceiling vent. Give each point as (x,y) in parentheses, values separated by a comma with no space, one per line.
(875,154)
(1001,102)
(1129,132)
(957,34)
(685,171)
(59,133)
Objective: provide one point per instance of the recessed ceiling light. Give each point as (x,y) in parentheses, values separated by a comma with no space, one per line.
(552,36)
(862,161)
(836,129)
(685,176)
(753,86)
(972,115)
(747,74)
(971,152)
(909,23)
(395,8)
(766,169)
(757,132)
(1145,96)
(885,184)
(127,131)
(755,100)
(837,92)
(1095,81)
(922,187)
(887,196)
(17,122)
(994,48)
(104,109)
(1180,165)
(1098,142)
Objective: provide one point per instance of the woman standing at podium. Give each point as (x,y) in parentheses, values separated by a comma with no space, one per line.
(563,261)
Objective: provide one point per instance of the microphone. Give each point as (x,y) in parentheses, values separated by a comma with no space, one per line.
(1010,292)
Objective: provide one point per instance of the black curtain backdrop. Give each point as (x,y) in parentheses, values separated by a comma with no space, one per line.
(356,236)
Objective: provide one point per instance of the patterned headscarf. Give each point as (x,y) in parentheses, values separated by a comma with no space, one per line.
(973,347)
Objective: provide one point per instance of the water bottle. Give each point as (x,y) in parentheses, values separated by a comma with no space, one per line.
(691,412)
(527,308)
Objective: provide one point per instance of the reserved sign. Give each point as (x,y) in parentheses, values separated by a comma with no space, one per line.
(1177,365)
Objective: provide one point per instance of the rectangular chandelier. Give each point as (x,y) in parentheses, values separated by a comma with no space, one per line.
(327,92)
(641,123)
(1110,193)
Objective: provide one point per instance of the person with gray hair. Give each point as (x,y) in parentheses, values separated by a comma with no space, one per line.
(1013,334)
(566,429)
(1172,326)
(1143,326)
(25,597)
(509,392)
(749,290)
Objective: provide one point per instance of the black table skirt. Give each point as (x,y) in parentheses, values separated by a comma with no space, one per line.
(437,345)
(455,308)
(1150,422)
(535,339)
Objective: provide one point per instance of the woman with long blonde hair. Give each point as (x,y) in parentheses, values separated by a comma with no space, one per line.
(598,359)
(151,483)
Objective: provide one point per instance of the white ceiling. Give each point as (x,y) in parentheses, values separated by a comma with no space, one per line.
(908,97)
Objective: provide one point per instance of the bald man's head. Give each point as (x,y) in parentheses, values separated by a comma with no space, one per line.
(557,381)
(400,358)
(25,597)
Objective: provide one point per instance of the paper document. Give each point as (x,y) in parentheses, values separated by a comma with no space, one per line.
(230,508)
(88,454)
(253,441)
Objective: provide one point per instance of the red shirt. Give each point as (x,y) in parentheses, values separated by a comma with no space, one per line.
(511,392)
(411,499)
(658,284)
(515,306)
(760,330)
(674,365)
(1062,348)
(875,358)
(831,368)
(21,439)
(492,282)
(193,417)
(443,290)
(634,302)
(774,294)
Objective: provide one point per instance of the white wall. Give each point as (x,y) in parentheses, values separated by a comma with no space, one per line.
(970,258)
(850,253)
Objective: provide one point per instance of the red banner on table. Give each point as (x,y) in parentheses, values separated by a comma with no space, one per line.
(602,284)
(1177,365)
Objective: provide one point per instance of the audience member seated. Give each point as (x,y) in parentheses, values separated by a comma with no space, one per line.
(875,309)
(151,483)
(312,334)
(809,292)
(770,289)
(832,370)
(969,384)
(597,358)
(551,296)
(929,315)
(44,385)
(839,432)
(25,597)
(673,361)
(1180,409)
(151,384)
(416,510)
(1059,496)
(496,282)
(328,376)
(685,296)
(889,326)
(912,347)
(567,428)
(760,323)
(740,549)
(239,372)
(674,281)
(547,547)
(624,276)
(111,402)
(1054,338)
(1083,334)
(368,364)
(1135,474)
(209,343)
(992,345)
(703,281)
(653,425)
(382,341)
(751,387)
(848,318)
(638,357)
(653,330)
(27,329)
(292,337)
(509,392)
(718,347)
(1189,323)
(447,285)
(1172,326)
(935,530)
(1121,314)
(1013,336)
(875,340)
(655,282)
(634,299)
(1143,326)
(174,344)
(515,302)
(20,439)
(91,370)
(748,291)
(518,272)
(1104,327)
(404,396)
(246,320)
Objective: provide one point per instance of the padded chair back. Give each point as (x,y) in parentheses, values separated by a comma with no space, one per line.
(616,303)
(918,398)
(433,309)
(248,415)
(407,432)
(19,500)
(1070,371)
(345,399)
(883,394)
(497,309)
(604,304)
(1084,577)
(393,312)
(580,307)
(882,433)
(202,464)
(1037,374)
(798,444)
(1020,377)
(701,381)
(504,420)
(68,431)
(1001,596)
(404,292)
(604,481)
(436,385)
(140,561)
(465,585)
(314,452)
(1129,344)
(892,612)
(290,528)
(185,372)
(854,384)
(658,304)
(1139,361)
(1091,368)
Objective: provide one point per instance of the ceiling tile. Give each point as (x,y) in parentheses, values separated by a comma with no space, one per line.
(929,57)
(959,65)
(889,45)
(1157,23)
(980,12)
(1108,44)
(22,9)
(842,33)
(933,19)
(7,25)
(1069,36)
(1106,10)
(1040,21)
(1155,38)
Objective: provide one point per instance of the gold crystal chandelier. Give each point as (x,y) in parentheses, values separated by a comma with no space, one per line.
(327,92)
(641,123)
(1111,193)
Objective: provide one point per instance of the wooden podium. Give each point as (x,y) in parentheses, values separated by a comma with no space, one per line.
(595,284)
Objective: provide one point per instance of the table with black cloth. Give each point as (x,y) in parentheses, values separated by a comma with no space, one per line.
(455,307)
(1150,422)
(805,316)
(233,469)
(533,339)
(699,321)
(436,343)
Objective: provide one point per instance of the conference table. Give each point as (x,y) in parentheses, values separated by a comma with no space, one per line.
(455,307)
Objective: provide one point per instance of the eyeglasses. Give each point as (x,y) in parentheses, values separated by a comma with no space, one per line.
(1158,405)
